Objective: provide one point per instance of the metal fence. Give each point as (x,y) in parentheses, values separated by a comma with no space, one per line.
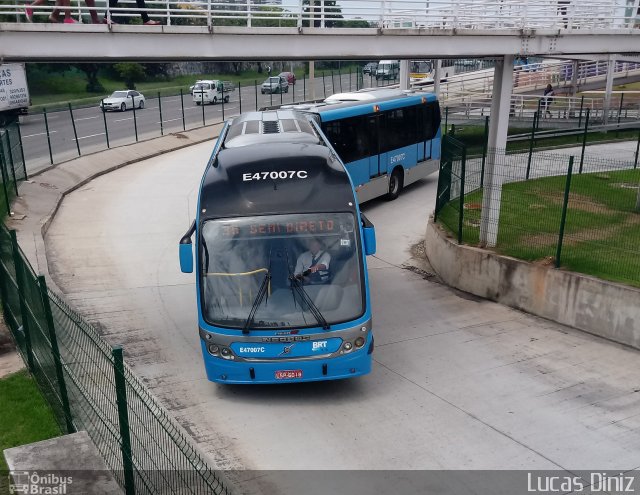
(571,211)
(12,165)
(89,387)
(55,134)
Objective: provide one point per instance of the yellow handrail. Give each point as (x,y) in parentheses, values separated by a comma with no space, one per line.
(240,274)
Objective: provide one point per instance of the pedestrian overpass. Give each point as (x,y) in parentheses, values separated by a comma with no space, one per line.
(367,29)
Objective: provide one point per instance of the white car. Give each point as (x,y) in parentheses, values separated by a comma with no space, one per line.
(123,100)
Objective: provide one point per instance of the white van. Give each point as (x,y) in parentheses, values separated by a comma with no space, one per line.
(388,69)
(211,91)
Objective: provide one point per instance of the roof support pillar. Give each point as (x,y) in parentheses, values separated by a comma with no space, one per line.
(404,74)
(611,66)
(497,143)
(436,78)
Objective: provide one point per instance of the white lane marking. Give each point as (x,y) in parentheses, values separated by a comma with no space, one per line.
(170,120)
(39,134)
(86,118)
(122,120)
(90,136)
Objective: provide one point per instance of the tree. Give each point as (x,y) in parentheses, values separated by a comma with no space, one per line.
(130,72)
(91,73)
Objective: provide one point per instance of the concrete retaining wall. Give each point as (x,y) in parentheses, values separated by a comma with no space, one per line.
(596,306)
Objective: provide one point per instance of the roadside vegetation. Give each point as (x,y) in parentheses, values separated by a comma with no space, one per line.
(602,231)
(25,417)
(56,85)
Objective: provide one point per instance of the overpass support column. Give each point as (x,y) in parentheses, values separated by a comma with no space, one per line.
(404,74)
(498,126)
(611,66)
(574,77)
(436,78)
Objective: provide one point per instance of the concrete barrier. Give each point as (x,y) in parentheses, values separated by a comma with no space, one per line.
(587,303)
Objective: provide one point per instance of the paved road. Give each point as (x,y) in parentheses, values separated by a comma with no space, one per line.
(121,126)
(457,382)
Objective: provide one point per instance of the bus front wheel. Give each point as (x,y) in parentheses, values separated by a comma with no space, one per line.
(395,185)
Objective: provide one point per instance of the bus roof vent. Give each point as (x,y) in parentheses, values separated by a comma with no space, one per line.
(270,127)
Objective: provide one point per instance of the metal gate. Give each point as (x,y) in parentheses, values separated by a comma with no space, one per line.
(451,184)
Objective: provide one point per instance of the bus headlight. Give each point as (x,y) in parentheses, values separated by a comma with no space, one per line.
(359,342)
(347,346)
(213,349)
(226,353)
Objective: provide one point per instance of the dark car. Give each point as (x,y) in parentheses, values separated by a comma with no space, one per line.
(370,68)
(289,76)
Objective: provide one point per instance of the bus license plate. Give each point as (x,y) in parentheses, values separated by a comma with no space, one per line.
(288,374)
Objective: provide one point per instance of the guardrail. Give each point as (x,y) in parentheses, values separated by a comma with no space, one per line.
(564,15)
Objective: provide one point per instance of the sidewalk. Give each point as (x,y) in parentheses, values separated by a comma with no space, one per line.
(42,194)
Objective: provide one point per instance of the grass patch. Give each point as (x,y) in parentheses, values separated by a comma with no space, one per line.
(25,417)
(602,231)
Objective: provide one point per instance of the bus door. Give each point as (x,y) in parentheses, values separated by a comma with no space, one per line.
(377,160)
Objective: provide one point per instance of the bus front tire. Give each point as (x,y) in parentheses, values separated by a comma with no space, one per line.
(215,100)
(395,185)
(226,99)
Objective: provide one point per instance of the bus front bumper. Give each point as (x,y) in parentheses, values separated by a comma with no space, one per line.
(353,364)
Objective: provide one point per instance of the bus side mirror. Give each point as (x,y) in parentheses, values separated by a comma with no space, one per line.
(369,236)
(186,258)
(186,252)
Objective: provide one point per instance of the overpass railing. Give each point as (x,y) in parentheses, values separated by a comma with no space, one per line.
(564,15)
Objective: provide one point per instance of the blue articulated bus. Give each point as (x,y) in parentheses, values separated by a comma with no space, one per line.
(280,256)
(386,138)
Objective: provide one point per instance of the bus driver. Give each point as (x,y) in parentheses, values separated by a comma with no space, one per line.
(312,266)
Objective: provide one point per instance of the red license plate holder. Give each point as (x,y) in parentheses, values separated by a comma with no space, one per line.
(288,374)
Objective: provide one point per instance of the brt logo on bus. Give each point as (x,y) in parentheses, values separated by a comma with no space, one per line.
(274,175)
(398,158)
(322,344)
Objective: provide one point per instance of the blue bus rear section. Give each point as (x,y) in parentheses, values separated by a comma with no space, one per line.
(387,139)
(273,187)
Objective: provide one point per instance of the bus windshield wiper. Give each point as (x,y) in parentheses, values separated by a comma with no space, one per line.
(295,283)
(264,288)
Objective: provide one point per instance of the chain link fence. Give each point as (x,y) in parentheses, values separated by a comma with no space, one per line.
(90,388)
(580,212)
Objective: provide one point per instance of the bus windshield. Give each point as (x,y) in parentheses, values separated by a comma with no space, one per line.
(294,258)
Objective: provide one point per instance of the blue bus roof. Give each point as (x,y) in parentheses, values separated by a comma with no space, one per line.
(388,100)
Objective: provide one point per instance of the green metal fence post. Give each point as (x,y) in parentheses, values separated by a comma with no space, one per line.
(304,87)
(531,143)
(565,206)
(160,110)
(106,129)
(635,163)
(55,351)
(24,160)
(20,274)
(75,132)
(4,293)
(135,120)
(350,79)
(13,168)
(620,111)
(240,96)
(5,178)
(584,140)
(123,416)
(184,122)
(461,206)
(453,130)
(446,120)
(223,97)
(340,78)
(581,108)
(537,122)
(333,83)
(324,86)
(46,126)
(485,143)
(202,105)
(255,85)
(280,86)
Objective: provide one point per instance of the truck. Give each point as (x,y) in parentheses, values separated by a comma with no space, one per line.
(14,92)
(211,91)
